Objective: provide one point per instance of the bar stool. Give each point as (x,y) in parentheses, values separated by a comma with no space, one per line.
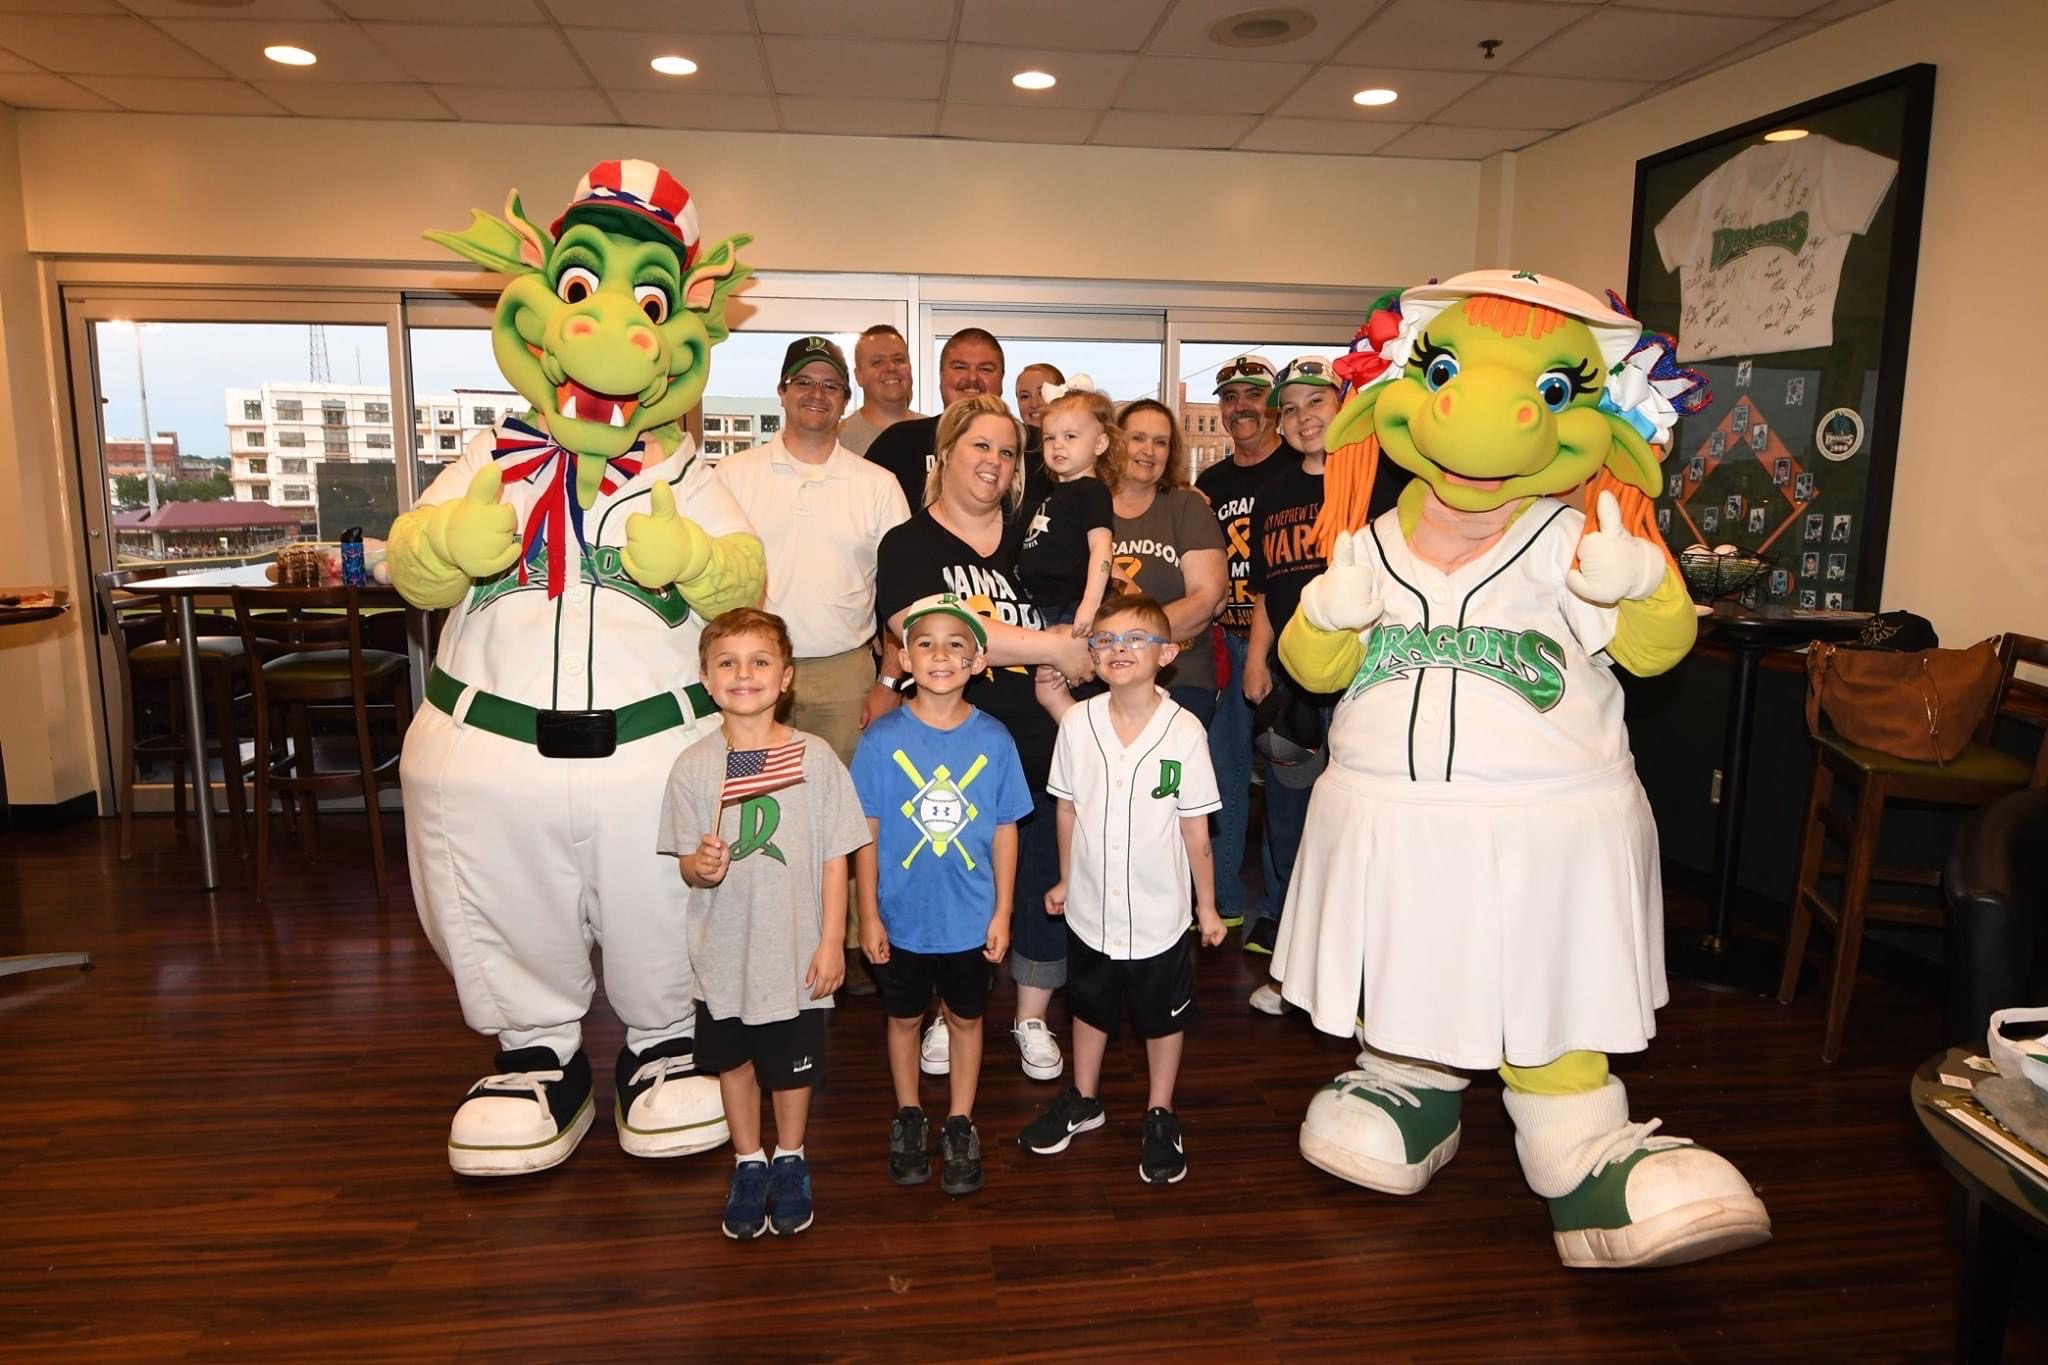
(153,663)
(1978,776)
(315,636)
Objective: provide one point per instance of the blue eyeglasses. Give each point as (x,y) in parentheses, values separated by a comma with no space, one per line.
(1101,642)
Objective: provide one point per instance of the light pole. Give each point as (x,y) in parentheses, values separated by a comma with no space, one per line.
(156,538)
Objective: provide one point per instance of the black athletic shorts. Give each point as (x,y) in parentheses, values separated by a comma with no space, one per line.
(905,982)
(1159,991)
(788,1054)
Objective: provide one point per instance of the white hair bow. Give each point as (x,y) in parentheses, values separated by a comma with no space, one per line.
(1080,383)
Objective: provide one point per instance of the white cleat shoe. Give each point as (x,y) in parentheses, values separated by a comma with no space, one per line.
(527,1117)
(1041,1052)
(935,1053)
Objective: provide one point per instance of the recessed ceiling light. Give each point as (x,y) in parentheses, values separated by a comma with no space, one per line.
(674,66)
(1034,80)
(1785,135)
(1378,95)
(287,55)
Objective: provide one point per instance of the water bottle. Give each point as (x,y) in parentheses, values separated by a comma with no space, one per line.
(353,572)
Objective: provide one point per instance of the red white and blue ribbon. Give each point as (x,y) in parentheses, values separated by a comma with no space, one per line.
(526,452)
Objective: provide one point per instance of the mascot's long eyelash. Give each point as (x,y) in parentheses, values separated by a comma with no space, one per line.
(1586,379)
(1426,351)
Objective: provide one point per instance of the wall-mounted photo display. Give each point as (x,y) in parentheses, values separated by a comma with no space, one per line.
(1780,254)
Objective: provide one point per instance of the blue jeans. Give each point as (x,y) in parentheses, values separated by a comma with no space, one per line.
(1199,702)
(1286,810)
(1230,753)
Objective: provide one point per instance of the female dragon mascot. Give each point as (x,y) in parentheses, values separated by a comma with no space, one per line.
(577,551)
(1478,880)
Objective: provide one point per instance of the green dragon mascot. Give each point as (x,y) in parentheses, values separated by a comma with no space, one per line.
(1478,878)
(577,551)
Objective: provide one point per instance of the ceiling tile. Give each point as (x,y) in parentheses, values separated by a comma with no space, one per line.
(1087,80)
(1777,37)
(1460,144)
(1754,9)
(1549,100)
(10,62)
(1007,123)
(1444,35)
(705,112)
(47,92)
(479,12)
(1196,85)
(1186,31)
(860,118)
(479,54)
(248,9)
(1125,128)
(345,53)
(727,63)
(480,105)
(164,95)
(1080,25)
(653,16)
(353,99)
(828,66)
(1327,94)
(1640,43)
(1328,137)
(101,46)
(931,19)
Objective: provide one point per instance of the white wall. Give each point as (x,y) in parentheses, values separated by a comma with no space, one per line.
(1967,545)
(330,190)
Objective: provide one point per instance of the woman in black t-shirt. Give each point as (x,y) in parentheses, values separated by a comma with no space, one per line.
(962,542)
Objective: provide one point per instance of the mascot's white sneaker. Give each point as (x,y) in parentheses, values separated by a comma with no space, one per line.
(1388,1126)
(527,1117)
(662,1106)
(1620,1197)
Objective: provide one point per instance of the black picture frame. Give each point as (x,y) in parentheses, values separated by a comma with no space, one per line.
(1863,368)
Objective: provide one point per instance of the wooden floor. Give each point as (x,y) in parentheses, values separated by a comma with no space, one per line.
(227,1141)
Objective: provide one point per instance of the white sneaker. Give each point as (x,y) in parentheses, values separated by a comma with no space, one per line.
(1266,1000)
(935,1053)
(1042,1060)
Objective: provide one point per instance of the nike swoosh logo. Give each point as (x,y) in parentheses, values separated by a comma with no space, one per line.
(1075,1127)
(804,1065)
(1175,1012)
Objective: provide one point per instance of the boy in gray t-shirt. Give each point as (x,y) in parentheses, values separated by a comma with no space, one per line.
(762,819)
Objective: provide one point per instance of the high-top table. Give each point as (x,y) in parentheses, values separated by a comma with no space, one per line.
(184,589)
(1714,959)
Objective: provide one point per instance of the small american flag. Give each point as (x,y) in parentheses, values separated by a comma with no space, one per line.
(750,772)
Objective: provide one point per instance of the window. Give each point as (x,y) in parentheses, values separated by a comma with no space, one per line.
(743,424)
(482,417)
(259,492)
(297,492)
(738,446)
(292,466)
(770,423)
(377,412)
(445,441)
(254,438)
(334,440)
(714,447)
(291,438)
(333,412)
(290,410)
(379,440)
(419,417)
(444,416)
(252,409)
(714,424)
(259,466)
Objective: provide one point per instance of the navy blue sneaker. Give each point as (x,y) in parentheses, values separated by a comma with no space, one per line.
(746,1207)
(789,1196)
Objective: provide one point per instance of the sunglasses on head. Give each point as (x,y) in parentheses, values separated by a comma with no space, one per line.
(1255,368)
(1313,369)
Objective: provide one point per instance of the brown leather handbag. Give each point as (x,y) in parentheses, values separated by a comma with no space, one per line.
(1925,706)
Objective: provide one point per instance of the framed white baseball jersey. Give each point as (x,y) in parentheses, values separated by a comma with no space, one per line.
(1494,672)
(1128,888)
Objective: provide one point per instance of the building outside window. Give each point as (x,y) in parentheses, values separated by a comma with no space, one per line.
(770,424)
(379,440)
(482,417)
(290,410)
(335,440)
(259,492)
(714,447)
(291,438)
(261,466)
(419,417)
(377,412)
(252,409)
(714,424)
(743,424)
(254,438)
(444,416)
(446,440)
(289,466)
(298,492)
(333,412)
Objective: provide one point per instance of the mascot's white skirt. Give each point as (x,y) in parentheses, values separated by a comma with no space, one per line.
(1474,923)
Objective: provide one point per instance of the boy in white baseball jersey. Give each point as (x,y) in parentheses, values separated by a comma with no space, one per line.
(1132,777)
(943,790)
(762,819)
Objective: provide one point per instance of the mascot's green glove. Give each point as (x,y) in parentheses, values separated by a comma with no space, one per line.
(434,552)
(715,575)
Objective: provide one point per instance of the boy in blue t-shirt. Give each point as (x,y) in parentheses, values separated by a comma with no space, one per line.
(942,789)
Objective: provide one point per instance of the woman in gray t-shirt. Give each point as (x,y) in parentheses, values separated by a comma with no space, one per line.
(1169,547)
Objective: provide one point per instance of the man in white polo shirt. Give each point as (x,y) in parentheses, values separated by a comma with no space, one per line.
(820,511)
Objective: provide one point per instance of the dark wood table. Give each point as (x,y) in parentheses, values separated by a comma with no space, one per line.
(186,588)
(31,962)
(2002,1205)
(1715,959)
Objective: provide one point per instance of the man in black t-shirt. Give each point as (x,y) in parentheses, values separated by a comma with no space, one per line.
(1257,453)
(970,362)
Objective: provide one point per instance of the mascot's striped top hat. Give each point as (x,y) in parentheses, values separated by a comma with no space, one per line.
(634,196)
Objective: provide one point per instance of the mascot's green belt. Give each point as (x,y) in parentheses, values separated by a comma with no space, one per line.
(578,549)
(1478,881)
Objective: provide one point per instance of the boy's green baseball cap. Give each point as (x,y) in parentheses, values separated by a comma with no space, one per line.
(948,604)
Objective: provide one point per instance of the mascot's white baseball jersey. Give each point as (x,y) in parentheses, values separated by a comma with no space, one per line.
(577,551)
